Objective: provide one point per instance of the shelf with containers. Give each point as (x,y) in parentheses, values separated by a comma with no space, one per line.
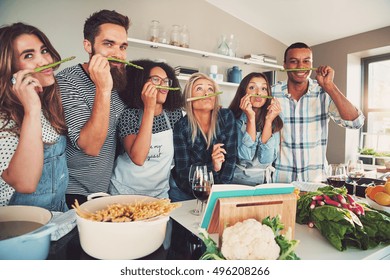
(197,53)
(182,55)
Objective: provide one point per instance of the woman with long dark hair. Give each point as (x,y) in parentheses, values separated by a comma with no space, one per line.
(258,126)
(32,127)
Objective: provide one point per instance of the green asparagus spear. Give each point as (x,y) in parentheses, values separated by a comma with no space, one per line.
(297,69)
(168,88)
(39,69)
(204,96)
(124,62)
(262,96)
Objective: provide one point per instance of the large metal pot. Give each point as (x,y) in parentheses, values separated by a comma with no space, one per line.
(127,240)
(32,245)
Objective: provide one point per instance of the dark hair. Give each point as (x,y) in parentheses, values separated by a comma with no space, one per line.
(277,123)
(137,78)
(92,24)
(11,107)
(298,45)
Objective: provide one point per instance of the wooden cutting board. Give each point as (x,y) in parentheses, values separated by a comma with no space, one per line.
(229,211)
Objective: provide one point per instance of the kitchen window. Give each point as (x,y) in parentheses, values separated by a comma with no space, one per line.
(376,103)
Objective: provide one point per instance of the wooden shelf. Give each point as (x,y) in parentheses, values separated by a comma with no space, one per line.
(197,53)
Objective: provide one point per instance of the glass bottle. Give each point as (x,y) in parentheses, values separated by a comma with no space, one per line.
(184,37)
(232,43)
(223,47)
(175,32)
(154,30)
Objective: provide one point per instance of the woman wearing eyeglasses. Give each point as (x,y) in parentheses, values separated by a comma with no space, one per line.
(145,130)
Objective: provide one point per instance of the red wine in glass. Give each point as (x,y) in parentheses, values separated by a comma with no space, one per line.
(201,192)
(336,182)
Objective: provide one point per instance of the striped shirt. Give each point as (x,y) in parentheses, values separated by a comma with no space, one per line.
(304,136)
(87,174)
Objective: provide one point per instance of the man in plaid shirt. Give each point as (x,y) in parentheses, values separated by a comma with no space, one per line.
(307,106)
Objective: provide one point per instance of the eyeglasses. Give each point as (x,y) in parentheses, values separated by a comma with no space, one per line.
(157,81)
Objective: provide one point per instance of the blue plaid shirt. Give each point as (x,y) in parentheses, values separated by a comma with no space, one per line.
(187,153)
(304,136)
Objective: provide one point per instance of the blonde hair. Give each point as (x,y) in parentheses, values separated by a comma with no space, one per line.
(192,121)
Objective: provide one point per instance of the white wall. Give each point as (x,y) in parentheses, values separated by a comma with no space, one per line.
(345,55)
(63,21)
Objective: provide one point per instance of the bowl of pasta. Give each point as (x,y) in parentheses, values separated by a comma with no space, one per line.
(122,226)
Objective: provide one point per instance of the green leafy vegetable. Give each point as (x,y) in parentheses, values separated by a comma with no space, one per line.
(340,225)
(212,252)
(124,62)
(39,69)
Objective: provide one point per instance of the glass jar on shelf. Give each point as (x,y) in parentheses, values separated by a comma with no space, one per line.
(184,38)
(175,33)
(163,38)
(154,30)
(223,47)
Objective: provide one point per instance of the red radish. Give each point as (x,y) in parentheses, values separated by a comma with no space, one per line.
(310,224)
(341,198)
(330,201)
(313,204)
(350,199)
(360,208)
(318,197)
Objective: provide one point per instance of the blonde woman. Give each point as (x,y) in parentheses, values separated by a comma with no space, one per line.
(206,136)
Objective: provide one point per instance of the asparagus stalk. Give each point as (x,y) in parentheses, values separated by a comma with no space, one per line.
(168,88)
(204,96)
(124,62)
(297,69)
(39,69)
(262,96)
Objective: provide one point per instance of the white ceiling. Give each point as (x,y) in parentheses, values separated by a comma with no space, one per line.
(311,21)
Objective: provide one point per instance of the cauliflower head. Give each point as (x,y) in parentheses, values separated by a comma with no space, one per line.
(249,240)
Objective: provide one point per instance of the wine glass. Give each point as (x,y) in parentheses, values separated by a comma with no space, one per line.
(201,187)
(336,175)
(355,171)
(194,169)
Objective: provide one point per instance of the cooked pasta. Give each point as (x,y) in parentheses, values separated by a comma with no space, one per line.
(136,211)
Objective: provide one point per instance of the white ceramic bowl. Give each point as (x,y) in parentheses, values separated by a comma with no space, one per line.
(377,206)
(128,240)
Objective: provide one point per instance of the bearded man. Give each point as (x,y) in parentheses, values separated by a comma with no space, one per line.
(92,105)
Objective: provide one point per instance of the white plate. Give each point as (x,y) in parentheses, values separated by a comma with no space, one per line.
(377,206)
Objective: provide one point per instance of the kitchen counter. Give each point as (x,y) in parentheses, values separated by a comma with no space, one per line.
(312,246)
(182,243)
